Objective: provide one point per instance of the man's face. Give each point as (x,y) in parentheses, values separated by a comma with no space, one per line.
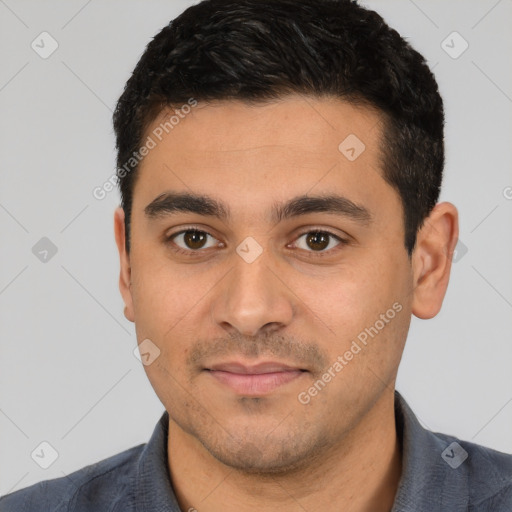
(252,309)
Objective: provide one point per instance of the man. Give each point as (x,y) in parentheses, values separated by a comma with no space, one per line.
(280,163)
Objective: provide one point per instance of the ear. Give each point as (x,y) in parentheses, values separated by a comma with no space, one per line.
(124,257)
(432,259)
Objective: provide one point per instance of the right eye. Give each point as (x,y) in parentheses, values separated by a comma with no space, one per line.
(190,241)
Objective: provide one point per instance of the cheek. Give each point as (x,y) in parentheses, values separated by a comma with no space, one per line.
(160,296)
(171,302)
(358,302)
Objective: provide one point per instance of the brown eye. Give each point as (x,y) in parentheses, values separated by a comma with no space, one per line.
(192,239)
(318,241)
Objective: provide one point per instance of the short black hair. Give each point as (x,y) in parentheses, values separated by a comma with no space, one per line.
(262,50)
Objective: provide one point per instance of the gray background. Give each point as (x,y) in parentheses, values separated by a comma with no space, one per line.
(68,375)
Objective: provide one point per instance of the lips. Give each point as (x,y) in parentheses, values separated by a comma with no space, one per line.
(256,369)
(254,380)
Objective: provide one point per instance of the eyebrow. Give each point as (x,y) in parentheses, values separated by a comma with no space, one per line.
(170,203)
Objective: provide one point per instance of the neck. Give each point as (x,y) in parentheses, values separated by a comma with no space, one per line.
(359,474)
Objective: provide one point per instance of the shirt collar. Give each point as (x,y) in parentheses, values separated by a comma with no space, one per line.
(427,482)
(153,488)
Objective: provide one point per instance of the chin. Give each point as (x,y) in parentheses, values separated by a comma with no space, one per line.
(268,457)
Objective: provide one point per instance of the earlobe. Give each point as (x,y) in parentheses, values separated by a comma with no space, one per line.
(432,259)
(125,268)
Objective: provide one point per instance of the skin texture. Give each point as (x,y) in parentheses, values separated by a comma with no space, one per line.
(228,451)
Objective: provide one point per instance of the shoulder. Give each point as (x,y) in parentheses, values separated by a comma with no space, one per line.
(487,473)
(106,482)
(443,472)
(490,478)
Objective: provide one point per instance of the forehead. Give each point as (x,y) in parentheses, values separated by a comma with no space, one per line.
(309,125)
(249,154)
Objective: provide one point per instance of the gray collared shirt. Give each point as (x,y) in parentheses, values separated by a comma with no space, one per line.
(439,473)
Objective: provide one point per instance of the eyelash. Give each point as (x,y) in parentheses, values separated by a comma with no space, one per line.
(194,253)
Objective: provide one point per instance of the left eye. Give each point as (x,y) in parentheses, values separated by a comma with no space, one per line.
(318,241)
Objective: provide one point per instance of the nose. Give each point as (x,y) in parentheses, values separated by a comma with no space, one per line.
(253,298)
